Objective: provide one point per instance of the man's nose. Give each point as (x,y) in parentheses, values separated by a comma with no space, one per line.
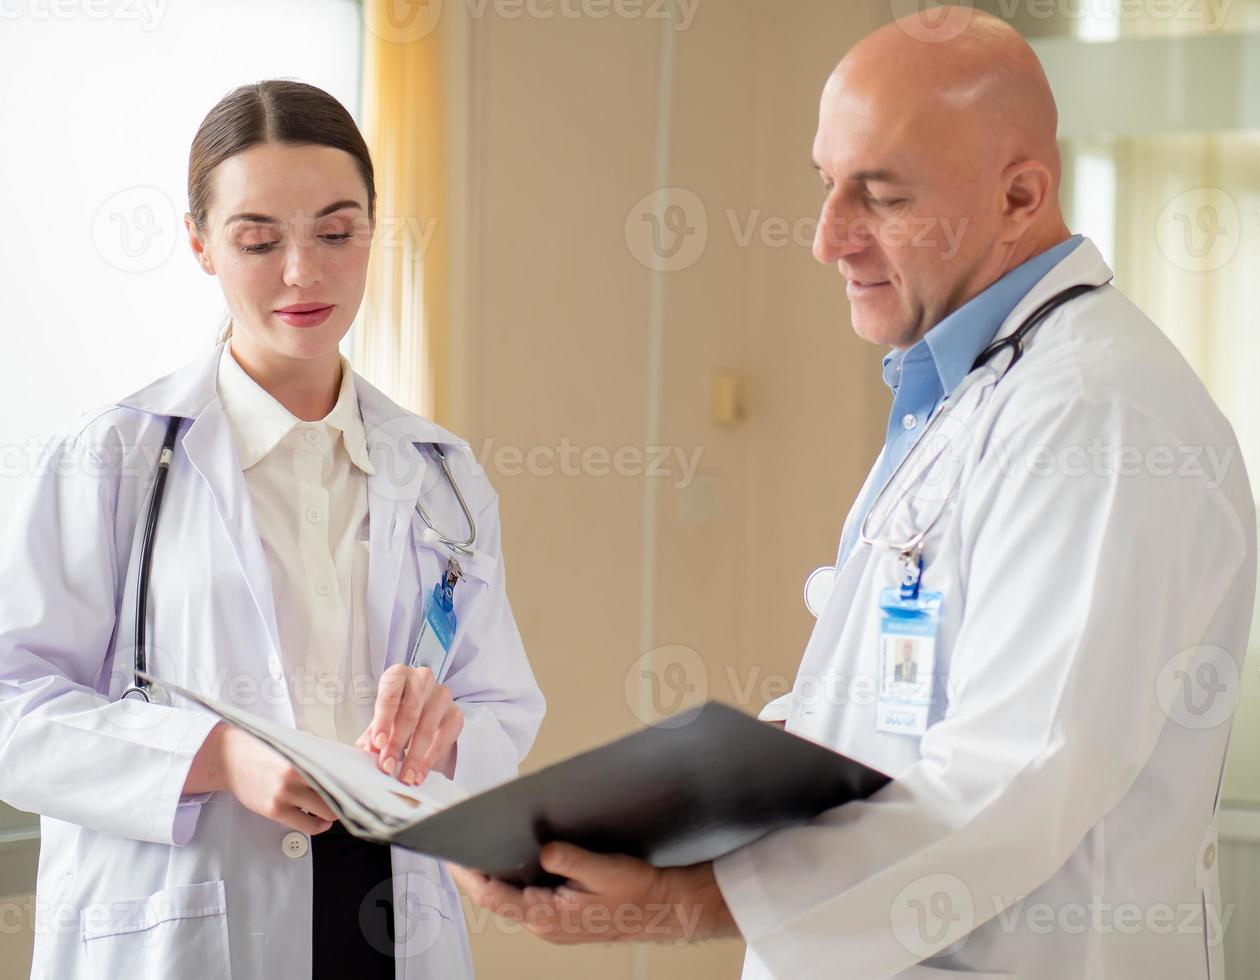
(838,235)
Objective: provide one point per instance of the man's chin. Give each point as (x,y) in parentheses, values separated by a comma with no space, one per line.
(884,331)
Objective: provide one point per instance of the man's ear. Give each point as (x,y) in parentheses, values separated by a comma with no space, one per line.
(1028,187)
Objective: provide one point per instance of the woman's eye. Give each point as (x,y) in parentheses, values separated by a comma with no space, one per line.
(264,246)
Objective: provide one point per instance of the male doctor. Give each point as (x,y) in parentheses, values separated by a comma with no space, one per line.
(1087,527)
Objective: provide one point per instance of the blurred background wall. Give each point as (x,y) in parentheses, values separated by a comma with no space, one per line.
(625,319)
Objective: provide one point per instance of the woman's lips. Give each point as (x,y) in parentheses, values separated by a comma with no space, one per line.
(311,318)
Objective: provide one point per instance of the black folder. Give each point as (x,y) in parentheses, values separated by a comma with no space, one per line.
(689,789)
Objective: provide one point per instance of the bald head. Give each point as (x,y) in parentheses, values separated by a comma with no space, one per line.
(951,111)
(966,75)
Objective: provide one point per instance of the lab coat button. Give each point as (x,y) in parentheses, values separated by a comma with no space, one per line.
(294,844)
(1209,856)
(274,668)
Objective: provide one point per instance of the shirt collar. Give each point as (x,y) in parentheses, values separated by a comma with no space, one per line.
(956,342)
(259,422)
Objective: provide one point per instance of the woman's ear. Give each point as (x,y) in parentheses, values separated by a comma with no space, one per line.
(200,253)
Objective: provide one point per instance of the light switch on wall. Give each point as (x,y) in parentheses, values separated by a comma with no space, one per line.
(728,402)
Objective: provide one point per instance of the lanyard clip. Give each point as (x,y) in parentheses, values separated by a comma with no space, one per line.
(911,562)
(452,575)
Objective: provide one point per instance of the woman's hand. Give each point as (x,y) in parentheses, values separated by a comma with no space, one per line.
(417,716)
(258,776)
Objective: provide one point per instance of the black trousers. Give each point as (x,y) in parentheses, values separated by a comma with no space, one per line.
(353,909)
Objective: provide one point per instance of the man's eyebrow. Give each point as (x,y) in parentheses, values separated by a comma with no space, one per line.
(264,219)
(866,176)
(863,176)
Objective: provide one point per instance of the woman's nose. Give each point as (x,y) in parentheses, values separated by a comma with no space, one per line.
(301,268)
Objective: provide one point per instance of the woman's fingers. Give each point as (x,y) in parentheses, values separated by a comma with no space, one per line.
(409,716)
(390,693)
(307,799)
(437,732)
(307,823)
(415,722)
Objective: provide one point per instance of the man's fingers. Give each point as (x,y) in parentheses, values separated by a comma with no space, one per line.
(587,871)
(490,893)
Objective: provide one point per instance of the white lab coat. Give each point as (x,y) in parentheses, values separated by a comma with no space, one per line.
(1067,785)
(117,895)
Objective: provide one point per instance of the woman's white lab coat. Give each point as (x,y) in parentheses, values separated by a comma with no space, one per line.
(134,880)
(1098,567)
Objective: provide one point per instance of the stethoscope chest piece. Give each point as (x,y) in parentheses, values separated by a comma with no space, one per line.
(818,588)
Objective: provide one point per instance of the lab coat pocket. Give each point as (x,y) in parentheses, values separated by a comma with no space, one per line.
(178,931)
(433,942)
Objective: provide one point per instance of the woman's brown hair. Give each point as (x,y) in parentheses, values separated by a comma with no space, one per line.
(271,111)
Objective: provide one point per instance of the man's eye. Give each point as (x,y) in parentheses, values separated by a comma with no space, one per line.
(885,202)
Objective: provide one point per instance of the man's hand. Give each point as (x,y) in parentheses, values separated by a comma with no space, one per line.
(412,709)
(608,898)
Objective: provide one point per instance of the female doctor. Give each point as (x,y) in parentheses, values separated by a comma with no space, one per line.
(304,523)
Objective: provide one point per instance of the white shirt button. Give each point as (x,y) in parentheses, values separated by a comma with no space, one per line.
(314,514)
(311,436)
(274,667)
(324,676)
(908,422)
(322,589)
(294,844)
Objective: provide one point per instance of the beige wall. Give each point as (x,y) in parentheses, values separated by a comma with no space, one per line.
(563,124)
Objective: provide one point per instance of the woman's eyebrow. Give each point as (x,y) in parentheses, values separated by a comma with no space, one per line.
(264,219)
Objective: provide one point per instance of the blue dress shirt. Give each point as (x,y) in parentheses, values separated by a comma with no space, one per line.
(922,375)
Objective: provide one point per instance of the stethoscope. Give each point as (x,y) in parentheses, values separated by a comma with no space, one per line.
(143,690)
(818,584)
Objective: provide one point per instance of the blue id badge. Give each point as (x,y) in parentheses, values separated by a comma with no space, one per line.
(908,623)
(437,632)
